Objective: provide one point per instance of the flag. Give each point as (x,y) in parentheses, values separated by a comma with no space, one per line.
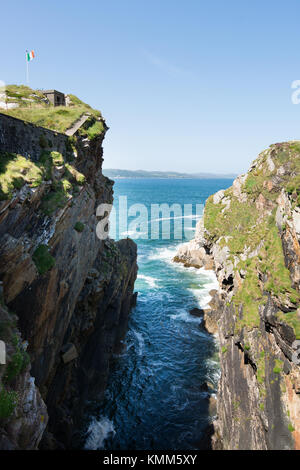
(30,56)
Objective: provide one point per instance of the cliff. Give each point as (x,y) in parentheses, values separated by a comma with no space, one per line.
(66,295)
(250,235)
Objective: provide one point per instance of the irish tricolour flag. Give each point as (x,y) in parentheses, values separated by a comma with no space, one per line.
(30,56)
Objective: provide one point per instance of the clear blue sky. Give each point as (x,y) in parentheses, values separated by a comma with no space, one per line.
(184,85)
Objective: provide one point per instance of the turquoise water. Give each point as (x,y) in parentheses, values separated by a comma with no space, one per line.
(154,399)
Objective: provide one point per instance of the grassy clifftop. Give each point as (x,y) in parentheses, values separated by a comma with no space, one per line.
(32,106)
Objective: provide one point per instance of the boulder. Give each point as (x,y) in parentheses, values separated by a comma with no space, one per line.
(69,353)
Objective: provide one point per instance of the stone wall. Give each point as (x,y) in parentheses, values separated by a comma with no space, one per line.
(22,137)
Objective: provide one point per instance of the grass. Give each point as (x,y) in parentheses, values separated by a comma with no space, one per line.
(79,226)
(8,402)
(43,259)
(18,362)
(24,96)
(291,319)
(15,171)
(93,130)
(278,366)
(57,118)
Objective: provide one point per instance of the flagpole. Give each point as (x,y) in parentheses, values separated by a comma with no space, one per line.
(27,69)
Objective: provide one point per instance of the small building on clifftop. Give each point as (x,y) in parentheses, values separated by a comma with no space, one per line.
(55,97)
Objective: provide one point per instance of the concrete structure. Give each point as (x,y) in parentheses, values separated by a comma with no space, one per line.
(55,97)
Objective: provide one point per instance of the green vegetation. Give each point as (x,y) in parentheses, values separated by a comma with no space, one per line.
(15,171)
(58,118)
(8,402)
(291,319)
(242,229)
(17,364)
(58,197)
(93,130)
(63,190)
(291,427)
(24,96)
(79,226)
(34,108)
(278,366)
(224,349)
(74,175)
(42,259)
(261,368)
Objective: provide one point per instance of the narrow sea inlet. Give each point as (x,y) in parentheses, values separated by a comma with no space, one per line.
(156,397)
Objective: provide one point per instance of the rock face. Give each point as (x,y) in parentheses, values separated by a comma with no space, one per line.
(71,292)
(250,232)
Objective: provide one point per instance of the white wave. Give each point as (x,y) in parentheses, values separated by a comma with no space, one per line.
(151,281)
(185,316)
(141,342)
(98,432)
(134,234)
(164,254)
(202,293)
(202,296)
(191,216)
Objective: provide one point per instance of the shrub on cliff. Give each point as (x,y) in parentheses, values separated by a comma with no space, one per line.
(43,259)
(8,402)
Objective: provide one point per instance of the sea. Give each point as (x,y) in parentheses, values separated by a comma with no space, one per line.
(156,398)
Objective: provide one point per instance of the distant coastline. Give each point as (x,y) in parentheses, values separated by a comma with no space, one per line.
(117,173)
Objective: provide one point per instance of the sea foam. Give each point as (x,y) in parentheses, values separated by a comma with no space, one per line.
(98,432)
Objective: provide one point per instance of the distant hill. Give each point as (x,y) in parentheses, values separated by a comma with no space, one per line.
(115,173)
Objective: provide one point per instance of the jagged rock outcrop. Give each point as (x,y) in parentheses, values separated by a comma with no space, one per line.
(71,292)
(251,234)
(23,412)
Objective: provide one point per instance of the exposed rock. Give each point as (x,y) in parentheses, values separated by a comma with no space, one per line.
(73,311)
(193,253)
(23,413)
(69,353)
(256,254)
(197,312)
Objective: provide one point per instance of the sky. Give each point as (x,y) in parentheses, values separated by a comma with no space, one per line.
(190,86)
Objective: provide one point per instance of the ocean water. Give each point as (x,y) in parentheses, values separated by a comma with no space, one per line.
(154,400)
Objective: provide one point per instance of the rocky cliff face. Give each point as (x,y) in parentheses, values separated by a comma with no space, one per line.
(250,233)
(70,293)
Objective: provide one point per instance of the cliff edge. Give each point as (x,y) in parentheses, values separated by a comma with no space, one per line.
(66,295)
(250,235)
